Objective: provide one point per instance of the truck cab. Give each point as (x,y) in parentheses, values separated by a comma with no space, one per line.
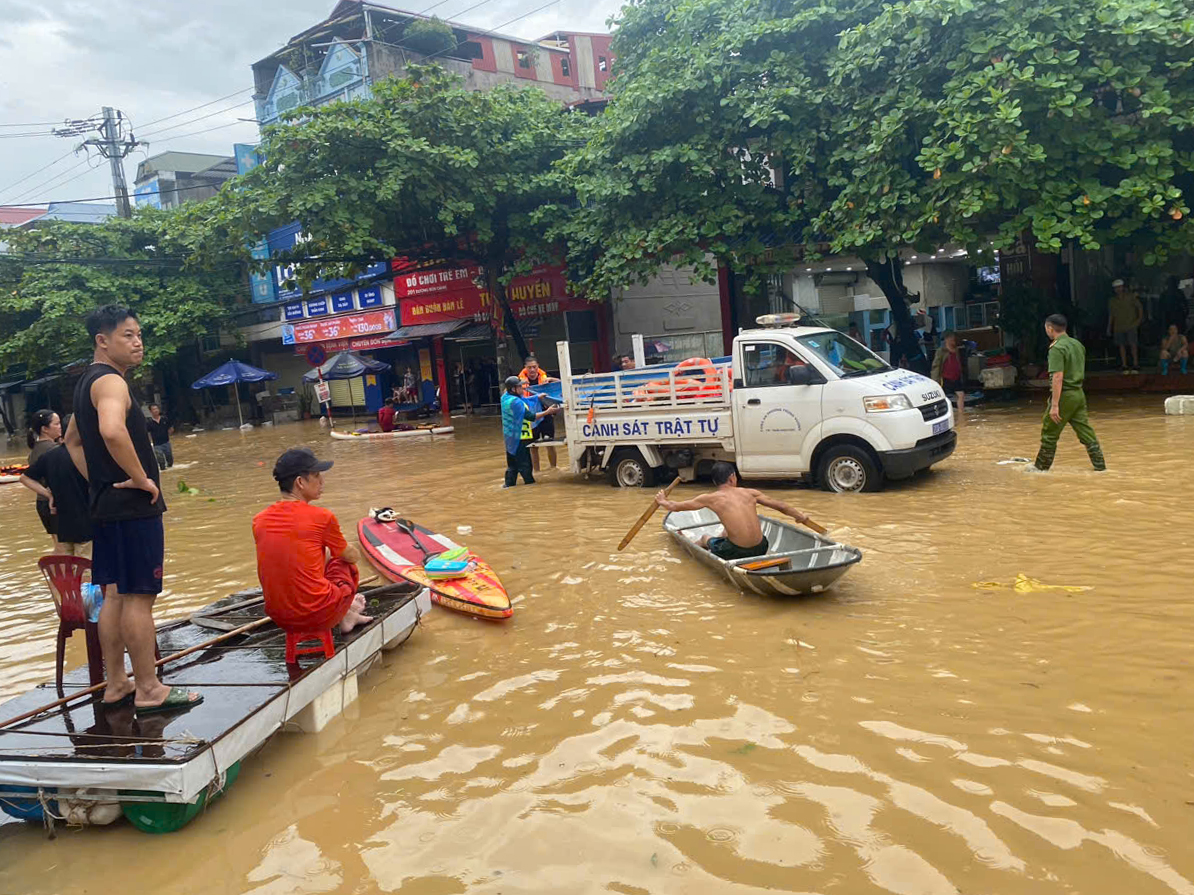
(792,401)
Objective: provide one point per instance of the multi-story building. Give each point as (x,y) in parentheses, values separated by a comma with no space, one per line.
(341,58)
(169,179)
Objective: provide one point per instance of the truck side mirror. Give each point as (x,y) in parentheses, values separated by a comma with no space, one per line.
(802,374)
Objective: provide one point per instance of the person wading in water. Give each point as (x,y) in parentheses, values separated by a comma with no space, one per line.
(737,508)
(109,443)
(1067,400)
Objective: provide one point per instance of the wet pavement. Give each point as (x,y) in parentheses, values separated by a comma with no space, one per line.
(639,726)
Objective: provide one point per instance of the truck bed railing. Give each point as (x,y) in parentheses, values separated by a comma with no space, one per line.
(654,388)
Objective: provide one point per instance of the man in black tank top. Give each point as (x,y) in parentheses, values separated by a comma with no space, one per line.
(109,442)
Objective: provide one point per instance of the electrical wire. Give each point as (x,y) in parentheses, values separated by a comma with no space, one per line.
(49,182)
(493,30)
(205,131)
(60,158)
(163,130)
(197,108)
(33,124)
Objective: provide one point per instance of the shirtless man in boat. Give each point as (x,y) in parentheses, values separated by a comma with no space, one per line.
(737,509)
(308,571)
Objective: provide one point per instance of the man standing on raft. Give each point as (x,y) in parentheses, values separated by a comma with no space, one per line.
(308,571)
(737,509)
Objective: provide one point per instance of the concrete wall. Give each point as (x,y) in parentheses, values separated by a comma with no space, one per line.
(668,304)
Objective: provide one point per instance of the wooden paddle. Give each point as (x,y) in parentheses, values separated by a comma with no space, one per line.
(819,529)
(642,520)
(243,629)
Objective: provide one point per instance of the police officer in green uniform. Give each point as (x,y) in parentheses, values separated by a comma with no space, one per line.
(1067,400)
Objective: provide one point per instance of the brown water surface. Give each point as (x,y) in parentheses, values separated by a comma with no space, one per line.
(640,727)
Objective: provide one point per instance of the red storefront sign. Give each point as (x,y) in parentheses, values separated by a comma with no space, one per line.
(365,343)
(434,296)
(347,326)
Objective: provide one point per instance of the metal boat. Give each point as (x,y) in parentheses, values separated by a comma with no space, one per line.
(798,561)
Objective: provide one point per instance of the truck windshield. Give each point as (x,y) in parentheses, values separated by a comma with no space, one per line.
(843,354)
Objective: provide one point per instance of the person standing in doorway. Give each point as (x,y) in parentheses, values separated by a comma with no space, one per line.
(108,440)
(949,368)
(517,432)
(45,431)
(531,375)
(1124,316)
(1067,400)
(160,431)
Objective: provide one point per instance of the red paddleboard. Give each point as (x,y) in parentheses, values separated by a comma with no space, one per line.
(398,557)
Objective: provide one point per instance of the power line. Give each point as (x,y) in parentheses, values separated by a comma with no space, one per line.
(493,30)
(197,108)
(38,171)
(50,180)
(32,124)
(204,131)
(146,136)
(27,134)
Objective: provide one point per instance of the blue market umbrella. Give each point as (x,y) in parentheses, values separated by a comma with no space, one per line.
(230,373)
(345,365)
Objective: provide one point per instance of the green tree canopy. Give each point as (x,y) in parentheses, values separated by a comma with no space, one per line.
(425,170)
(57,272)
(766,131)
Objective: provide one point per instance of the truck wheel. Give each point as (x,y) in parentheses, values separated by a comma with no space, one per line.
(628,469)
(845,467)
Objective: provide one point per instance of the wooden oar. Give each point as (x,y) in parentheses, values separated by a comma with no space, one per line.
(243,629)
(642,520)
(819,529)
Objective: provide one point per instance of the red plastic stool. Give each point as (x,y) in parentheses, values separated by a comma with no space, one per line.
(294,638)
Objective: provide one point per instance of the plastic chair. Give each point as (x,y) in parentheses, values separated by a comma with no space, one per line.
(294,650)
(64,576)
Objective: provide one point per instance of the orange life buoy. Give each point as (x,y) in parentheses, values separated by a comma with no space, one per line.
(712,381)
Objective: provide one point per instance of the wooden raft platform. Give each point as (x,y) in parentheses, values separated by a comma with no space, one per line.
(85,752)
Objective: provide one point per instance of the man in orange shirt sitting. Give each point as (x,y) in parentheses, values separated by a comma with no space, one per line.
(530,375)
(308,571)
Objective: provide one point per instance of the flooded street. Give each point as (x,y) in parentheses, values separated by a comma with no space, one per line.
(640,727)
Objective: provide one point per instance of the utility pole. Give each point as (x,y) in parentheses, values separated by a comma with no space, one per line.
(114,146)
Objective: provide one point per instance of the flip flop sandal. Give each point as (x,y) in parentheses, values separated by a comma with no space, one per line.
(176,700)
(123,702)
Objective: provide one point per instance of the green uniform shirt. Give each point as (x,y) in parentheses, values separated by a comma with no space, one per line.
(1068,357)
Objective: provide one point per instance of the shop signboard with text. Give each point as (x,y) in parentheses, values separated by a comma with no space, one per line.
(347,326)
(286,238)
(436,296)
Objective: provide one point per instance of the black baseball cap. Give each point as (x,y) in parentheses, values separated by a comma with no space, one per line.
(299,461)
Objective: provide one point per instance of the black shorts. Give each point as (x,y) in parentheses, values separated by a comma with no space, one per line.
(727,549)
(953,386)
(49,521)
(129,554)
(546,430)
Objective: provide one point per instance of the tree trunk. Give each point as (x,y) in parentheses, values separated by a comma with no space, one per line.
(498,293)
(888,275)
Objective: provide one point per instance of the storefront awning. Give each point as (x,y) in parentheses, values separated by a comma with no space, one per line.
(9,386)
(475,333)
(427,330)
(38,383)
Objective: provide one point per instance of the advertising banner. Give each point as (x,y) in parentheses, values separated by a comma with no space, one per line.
(435,296)
(347,326)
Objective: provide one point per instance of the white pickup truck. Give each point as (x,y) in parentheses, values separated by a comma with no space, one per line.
(792,402)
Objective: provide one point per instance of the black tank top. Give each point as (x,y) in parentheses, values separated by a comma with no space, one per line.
(110,504)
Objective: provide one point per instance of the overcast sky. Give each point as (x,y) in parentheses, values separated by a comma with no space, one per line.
(64,59)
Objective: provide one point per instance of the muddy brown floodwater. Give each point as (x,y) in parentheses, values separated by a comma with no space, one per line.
(640,727)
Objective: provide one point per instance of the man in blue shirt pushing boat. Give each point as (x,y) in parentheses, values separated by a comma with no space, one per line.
(737,509)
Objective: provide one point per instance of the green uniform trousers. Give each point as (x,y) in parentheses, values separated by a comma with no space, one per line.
(1072,409)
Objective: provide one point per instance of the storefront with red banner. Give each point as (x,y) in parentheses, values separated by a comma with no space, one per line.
(452,308)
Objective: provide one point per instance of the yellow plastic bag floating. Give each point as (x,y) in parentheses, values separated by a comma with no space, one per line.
(1025,585)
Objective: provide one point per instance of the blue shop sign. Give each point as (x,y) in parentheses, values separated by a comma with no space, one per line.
(369,297)
(294,311)
(285,238)
(342,301)
(317,306)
